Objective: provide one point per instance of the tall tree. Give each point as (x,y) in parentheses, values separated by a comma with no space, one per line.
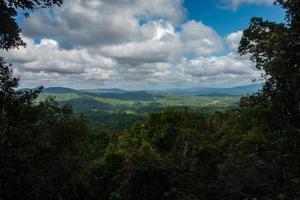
(9,30)
(42,146)
(275,49)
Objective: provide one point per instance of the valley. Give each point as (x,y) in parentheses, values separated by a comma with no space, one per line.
(143,102)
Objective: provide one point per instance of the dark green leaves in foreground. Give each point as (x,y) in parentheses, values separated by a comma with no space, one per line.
(42,147)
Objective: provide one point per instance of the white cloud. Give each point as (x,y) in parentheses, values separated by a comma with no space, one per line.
(47,56)
(125,43)
(101,22)
(160,44)
(230,64)
(233,40)
(147,64)
(199,39)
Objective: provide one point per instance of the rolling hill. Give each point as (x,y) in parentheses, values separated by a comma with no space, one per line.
(233,91)
(119,100)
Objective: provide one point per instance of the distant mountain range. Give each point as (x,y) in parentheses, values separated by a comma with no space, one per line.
(206,91)
(103,93)
(233,91)
(117,93)
(111,90)
(59,90)
(116,100)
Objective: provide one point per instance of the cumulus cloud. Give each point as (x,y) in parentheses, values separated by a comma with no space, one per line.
(233,40)
(125,43)
(102,22)
(160,44)
(47,56)
(199,39)
(45,63)
(34,79)
(231,64)
(234,4)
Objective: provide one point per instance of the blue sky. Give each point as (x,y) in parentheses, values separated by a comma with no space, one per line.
(226,21)
(139,44)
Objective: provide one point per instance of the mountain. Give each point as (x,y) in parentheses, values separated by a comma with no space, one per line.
(193,90)
(134,96)
(116,93)
(139,95)
(85,104)
(239,90)
(59,90)
(113,93)
(101,91)
(203,91)
(119,100)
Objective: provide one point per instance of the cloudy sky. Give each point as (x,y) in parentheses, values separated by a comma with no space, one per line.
(138,44)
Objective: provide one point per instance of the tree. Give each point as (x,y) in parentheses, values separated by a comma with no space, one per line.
(9,30)
(43,148)
(275,49)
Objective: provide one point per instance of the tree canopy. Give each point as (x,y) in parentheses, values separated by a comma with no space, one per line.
(275,49)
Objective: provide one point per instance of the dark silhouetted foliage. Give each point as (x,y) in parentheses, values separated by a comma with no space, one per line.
(9,30)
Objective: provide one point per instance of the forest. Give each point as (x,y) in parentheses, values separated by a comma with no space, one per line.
(251,151)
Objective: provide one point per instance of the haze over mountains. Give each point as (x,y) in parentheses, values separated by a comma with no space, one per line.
(132,101)
(121,93)
(206,91)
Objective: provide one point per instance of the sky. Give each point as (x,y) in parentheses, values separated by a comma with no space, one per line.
(138,44)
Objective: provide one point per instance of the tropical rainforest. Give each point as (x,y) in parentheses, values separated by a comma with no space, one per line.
(250,151)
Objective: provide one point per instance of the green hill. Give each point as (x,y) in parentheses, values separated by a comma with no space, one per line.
(142,102)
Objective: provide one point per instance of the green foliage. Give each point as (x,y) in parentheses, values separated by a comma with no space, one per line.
(43,148)
(275,49)
(111,121)
(186,155)
(247,153)
(9,30)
